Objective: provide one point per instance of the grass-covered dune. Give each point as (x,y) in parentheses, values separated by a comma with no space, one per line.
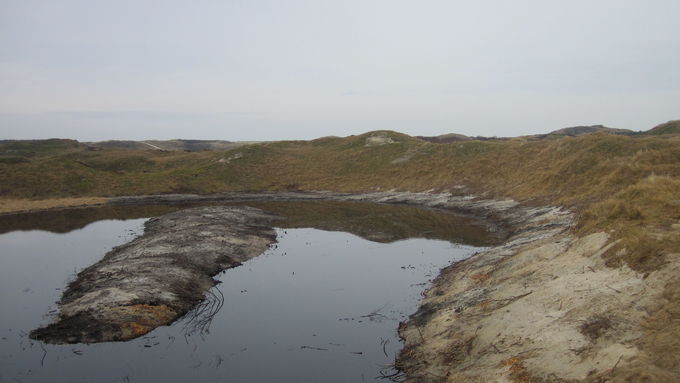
(627,184)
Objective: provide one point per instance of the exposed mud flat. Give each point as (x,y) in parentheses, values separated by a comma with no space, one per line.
(159,276)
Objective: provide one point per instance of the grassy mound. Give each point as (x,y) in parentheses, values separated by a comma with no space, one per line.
(670,127)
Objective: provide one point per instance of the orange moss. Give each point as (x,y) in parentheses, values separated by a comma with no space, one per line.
(133,330)
(144,318)
(518,372)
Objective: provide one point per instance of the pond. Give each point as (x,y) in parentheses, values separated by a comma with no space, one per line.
(322,305)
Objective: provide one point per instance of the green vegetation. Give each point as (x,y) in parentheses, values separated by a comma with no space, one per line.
(38,147)
(629,185)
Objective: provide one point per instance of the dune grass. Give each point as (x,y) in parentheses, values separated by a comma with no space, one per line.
(670,127)
(629,185)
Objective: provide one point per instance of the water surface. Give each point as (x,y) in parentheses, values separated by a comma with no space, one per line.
(320,306)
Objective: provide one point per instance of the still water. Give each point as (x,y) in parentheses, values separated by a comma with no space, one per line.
(320,306)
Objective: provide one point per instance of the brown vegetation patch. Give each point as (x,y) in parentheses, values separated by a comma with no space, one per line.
(143,318)
(642,216)
(595,327)
(518,372)
(459,350)
(480,277)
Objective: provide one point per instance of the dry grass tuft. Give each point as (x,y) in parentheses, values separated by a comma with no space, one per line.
(518,372)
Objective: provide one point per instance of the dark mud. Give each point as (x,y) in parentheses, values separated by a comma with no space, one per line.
(159,276)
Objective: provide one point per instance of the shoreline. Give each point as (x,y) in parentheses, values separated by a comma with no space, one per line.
(541,306)
(27,206)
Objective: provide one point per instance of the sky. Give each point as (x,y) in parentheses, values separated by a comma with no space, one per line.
(291,69)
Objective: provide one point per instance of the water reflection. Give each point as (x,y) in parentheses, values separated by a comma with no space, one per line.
(375,222)
(323,306)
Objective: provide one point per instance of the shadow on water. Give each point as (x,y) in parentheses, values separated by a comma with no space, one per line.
(374,222)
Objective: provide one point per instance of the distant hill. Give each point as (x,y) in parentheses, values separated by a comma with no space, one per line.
(18,151)
(455,137)
(168,145)
(578,130)
(570,132)
(445,138)
(38,146)
(670,127)
(22,151)
(115,144)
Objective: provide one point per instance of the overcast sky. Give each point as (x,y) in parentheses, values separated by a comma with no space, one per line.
(289,69)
